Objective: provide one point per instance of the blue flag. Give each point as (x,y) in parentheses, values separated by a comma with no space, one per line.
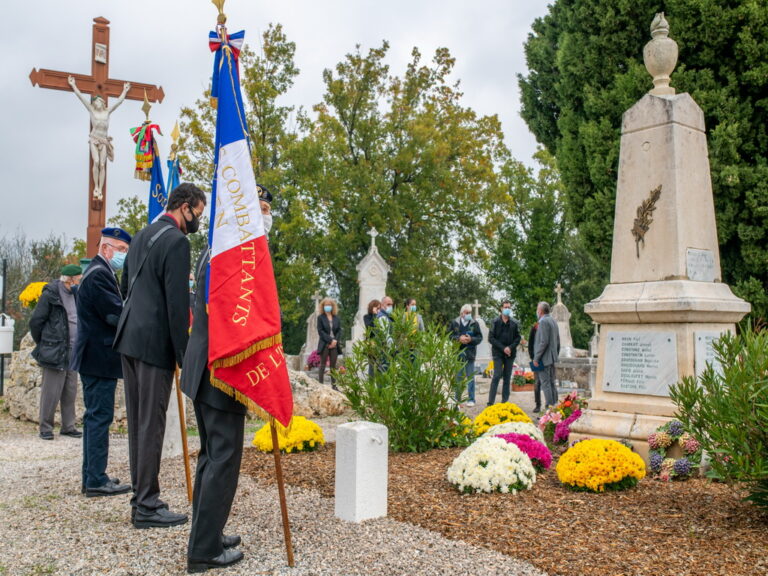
(174,170)
(157,196)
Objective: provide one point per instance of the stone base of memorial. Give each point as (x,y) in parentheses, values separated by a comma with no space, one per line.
(652,334)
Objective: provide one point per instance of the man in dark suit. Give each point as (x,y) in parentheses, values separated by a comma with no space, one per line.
(547,350)
(504,336)
(99,304)
(152,336)
(220,421)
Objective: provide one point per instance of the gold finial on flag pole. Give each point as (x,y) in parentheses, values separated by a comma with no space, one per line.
(146,107)
(222,19)
(175,134)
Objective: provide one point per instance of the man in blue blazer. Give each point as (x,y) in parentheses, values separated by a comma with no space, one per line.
(99,304)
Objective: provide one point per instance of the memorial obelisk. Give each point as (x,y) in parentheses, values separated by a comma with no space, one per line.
(666,301)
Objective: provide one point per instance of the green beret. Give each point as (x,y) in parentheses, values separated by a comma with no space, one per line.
(71,270)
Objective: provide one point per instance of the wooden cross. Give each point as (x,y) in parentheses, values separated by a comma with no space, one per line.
(559,290)
(100,84)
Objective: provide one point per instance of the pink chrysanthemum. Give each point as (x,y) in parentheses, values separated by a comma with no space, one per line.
(539,454)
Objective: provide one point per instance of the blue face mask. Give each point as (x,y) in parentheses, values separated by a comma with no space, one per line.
(191,284)
(468,317)
(327,309)
(507,311)
(413,308)
(388,309)
(117,261)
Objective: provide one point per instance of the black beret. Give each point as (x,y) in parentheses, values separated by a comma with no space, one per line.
(264,194)
(117,234)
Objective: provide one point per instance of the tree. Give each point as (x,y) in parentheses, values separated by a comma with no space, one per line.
(131,215)
(585,69)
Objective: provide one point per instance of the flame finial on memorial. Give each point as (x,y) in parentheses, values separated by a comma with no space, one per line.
(660,56)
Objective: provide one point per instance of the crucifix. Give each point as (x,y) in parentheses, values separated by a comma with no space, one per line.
(100,86)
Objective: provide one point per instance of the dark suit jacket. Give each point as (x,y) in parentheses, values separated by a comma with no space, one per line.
(99,304)
(154,325)
(195,378)
(327,332)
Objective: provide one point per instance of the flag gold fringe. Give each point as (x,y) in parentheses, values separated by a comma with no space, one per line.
(248,352)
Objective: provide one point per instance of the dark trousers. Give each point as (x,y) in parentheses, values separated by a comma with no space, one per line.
(502,366)
(537,390)
(548,378)
(147,392)
(99,399)
(333,353)
(218,468)
(58,386)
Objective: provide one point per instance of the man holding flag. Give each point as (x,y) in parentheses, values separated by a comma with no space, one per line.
(235,356)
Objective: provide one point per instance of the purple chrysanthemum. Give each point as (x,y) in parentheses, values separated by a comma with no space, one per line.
(539,454)
(683,467)
(676,428)
(656,460)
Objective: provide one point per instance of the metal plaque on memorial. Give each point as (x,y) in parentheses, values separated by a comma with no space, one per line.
(640,363)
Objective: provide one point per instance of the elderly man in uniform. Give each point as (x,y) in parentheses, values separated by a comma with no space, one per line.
(99,304)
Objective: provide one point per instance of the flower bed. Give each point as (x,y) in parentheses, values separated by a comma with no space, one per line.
(498,414)
(302,436)
(667,439)
(492,465)
(599,465)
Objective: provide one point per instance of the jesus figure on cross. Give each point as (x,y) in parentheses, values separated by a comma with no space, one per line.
(101,143)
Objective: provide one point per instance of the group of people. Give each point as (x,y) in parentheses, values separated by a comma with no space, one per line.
(503,336)
(138,329)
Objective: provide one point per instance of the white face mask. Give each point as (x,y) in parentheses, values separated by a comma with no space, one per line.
(267,222)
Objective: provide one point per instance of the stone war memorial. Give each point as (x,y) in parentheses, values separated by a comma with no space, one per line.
(666,301)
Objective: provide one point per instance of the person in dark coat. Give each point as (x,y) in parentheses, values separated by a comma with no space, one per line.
(466,331)
(221,423)
(99,304)
(547,352)
(152,337)
(504,336)
(369,322)
(53,326)
(329,332)
(537,380)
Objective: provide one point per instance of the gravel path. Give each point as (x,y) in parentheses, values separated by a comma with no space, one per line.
(48,527)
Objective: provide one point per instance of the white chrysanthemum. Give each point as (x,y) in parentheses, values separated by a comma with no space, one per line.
(492,465)
(526,428)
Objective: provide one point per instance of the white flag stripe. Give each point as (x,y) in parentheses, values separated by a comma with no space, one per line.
(238,214)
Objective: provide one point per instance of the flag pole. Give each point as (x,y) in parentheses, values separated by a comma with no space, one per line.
(281,491)
(183,426)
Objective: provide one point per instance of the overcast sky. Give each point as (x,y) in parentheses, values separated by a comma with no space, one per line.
(44,147)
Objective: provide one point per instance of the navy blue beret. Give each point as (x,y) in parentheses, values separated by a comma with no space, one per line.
(117,234)
(264,194)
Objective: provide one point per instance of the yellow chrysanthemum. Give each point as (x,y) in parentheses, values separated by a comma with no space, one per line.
(31,294)
(593,464)
(303,436)
(498,414)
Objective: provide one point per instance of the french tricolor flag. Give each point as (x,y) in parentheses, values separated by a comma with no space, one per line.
(245,352)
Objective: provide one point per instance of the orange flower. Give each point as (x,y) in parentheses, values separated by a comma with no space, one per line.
(567,403)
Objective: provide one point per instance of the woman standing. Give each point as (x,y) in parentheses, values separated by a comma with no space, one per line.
(329,330)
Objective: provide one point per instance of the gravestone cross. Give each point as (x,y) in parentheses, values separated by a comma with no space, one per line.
(97,84)
(316,297)
(476,308)
(559,290)
(373,233)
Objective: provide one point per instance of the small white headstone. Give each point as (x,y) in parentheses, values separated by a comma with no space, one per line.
(361,471)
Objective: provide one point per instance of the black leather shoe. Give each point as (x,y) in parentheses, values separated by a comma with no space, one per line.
(226,558)
(536,410)
(231,541)
(162,518)
(75,433)
(161,505)
(109,489)
(113,480)
(46,435)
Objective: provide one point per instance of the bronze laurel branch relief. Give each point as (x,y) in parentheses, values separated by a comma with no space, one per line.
(645,217)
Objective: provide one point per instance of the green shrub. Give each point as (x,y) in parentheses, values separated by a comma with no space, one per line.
(412,388)
(728,411)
